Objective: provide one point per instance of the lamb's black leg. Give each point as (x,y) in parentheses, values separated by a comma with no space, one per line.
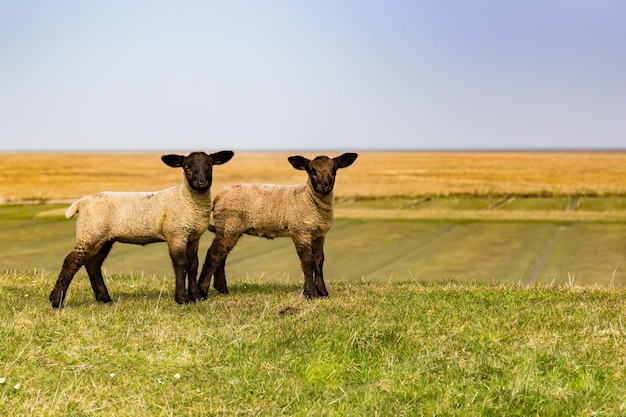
(318,256)
(192,270)
(215,258)
(178,254)
(93,265)
(219,283)
(71,264)
(308,268)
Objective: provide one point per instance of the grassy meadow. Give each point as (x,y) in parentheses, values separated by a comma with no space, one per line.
(460,284)
(403,349)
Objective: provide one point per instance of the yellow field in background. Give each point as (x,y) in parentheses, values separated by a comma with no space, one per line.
(53,176)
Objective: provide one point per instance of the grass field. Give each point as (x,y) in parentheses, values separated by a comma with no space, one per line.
(460,284)
(401,349)
(522,248)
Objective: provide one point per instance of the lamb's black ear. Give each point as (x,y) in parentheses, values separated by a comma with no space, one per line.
(346,159)
(299,162)
(222,157)
(172,160)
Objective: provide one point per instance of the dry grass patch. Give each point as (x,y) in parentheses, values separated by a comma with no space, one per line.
(51,176)
(483,173)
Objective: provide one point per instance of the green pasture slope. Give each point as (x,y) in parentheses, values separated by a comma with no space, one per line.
(446,315)
(439,249)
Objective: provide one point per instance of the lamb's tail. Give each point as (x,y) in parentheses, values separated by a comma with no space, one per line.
(72,210)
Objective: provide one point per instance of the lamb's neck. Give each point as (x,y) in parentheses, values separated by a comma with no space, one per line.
(324,202)
(192,198)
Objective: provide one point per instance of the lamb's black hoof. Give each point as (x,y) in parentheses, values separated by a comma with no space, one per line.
(104,300)
(182,300)
(310,294)
(57,302)
(220,286)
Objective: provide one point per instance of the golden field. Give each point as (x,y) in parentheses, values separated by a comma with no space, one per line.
(49,176)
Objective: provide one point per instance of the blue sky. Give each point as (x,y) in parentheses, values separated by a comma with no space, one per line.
(296,75)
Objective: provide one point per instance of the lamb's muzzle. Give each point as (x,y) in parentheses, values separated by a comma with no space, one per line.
(303,212)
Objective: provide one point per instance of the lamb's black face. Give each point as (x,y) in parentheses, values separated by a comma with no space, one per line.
(322,171)
(198,167)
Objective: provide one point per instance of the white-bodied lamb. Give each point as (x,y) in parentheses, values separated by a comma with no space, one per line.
(303,212)
(177,215)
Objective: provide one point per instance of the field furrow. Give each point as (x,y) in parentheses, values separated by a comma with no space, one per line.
(544,256)
(411,252)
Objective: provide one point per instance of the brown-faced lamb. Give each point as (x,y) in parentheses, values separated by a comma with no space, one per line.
(177,215)
(303,212)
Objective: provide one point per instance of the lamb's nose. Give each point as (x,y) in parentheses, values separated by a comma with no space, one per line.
(202,183)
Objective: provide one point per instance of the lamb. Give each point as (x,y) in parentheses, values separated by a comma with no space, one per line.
(303,212)
(177,215)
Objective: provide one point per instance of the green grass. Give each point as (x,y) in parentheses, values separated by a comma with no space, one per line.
(362,249)
(419,203)
(440,317)
(410,348)
(587,253)
(537,203)
(603,203)
(491,202)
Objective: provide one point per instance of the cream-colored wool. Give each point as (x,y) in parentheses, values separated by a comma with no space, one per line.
(141,217)
(270,211)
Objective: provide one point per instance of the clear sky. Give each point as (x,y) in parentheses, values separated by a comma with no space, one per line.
(306,75)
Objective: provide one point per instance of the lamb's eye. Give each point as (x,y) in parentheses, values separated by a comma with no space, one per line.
(313,172)
(186,167)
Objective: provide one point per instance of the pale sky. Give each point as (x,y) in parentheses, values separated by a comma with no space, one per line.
(306,75)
